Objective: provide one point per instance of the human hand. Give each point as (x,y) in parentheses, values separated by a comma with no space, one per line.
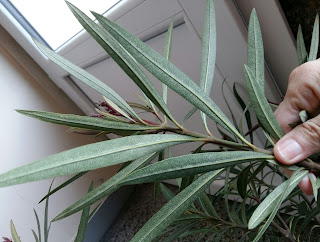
(303,93)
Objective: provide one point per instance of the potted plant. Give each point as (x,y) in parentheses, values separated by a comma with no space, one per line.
(262,210)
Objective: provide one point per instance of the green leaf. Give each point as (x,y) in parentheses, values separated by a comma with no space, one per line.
(208,56)
(185,181)
(191,164)
(243,180)
(38,224)
(167,53)
(314,40)
(92,156)
(106,188)
(176,206)
(83,220)
(35,236)
(261,106)
(86,78)
(310,232)
(66,183)
(84,121)
(207,205)
(255,49)
(167,193)
(189,114)
(301,48)
(314,186)
(167,73)
(311,215)
(185,227)
(268,204)
(288,186)
(14,234)
(46,228)
(244,108)
(125,61)
(156,185)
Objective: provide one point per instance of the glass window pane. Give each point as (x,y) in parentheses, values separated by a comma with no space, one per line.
(54,21)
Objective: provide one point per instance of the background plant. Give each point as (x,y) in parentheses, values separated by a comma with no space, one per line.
(262,209)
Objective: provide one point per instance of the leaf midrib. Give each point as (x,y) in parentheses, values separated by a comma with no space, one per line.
(178,206)
(169,74)
(99,156)
(188,167)
(279,194)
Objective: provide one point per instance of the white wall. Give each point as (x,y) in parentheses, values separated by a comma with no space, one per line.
(23,140)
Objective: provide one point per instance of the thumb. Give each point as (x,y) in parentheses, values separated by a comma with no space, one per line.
(299,143)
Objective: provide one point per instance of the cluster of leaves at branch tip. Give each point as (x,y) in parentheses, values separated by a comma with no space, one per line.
(262,208)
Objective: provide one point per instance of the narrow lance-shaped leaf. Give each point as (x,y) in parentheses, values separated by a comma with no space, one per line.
(286,189)
(255,49)
(35,236)
(83,221)
(72,179)
(85,122)
(301,48)
(86,78)
(243,180)
(92,156)
(272,215)
(127,63)
(314,186)
(167,193)
(38,225)
(106,188)
(192,164)
(314,40)
(309,216)
(208,55)
(14,233)
(244,108)
(261,106)
(167,54)
(46,227)
(168,73)
(267,205)
(175,207)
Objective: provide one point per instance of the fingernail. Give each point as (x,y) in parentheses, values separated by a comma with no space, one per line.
(289,150)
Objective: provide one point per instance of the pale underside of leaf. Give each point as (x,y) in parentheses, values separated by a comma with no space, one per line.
(261,106)
(267,205)
(314,40)
(122,58)
(86,78)
(83,121)
(167,73)
(167,54)
(92,156)
(14,233)
(301,48)
(255,49)
(192,164)
(106,188)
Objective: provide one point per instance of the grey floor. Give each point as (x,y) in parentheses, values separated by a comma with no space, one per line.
(136,212)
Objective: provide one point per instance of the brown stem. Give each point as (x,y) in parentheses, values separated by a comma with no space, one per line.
(285,232)
(310,165)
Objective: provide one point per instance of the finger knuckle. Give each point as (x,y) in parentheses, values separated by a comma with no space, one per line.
(312,131)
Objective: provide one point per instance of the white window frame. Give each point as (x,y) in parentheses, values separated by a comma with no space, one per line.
(280,53)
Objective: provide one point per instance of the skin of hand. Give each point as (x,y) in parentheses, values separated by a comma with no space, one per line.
(303,93)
